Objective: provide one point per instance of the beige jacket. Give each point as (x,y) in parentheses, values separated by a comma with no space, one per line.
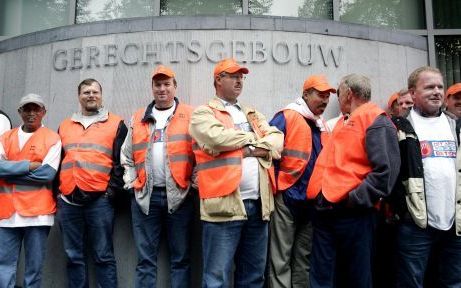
(213,138)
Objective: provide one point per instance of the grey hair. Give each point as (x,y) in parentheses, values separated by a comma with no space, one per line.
(360,85)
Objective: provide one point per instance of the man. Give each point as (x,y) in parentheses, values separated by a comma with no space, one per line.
(5,122)
(234,150)
(393,105)
(158,160)
(427,199)
(291,227)
(453,105)
(90,176)
(453,100)
(356,168)
(405,102)
(29,160)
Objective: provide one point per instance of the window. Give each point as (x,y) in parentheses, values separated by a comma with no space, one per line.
(396,14)
(448,54)
(319,9)
(95,10)
(25,16)
(200,7)
(447,13)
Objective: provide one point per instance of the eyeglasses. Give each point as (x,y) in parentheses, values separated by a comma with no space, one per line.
(235,77)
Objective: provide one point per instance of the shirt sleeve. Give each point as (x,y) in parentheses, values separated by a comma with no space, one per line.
(46,172)
(126,159)
(383,153)
(116,176)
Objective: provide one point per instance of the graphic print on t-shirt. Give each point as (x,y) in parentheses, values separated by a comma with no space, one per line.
(159,135)
(440,148)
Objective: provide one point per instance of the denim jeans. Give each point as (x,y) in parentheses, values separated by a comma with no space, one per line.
(414,245)
(35,240)
(348,234)
(244,242)
(94,220)
(147,230)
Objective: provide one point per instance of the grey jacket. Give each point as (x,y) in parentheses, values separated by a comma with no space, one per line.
(175,195)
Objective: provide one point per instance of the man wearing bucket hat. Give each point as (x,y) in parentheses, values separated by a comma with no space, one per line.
(30,156)
(234,150)
(90,176)
(158,160)
(291,226)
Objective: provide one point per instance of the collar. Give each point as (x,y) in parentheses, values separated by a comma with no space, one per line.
(301,107)
(148,113)
(227,104)
(101,116)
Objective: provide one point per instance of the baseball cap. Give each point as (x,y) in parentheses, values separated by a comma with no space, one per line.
(32,98)
(229,65)
(163,70)
(453,89)
(319,83)
(394,97)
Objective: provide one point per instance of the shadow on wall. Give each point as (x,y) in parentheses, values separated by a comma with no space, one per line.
(54,271)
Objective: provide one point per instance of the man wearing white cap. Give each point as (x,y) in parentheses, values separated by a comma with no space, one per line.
(29,160)
(158,160)
(234,151)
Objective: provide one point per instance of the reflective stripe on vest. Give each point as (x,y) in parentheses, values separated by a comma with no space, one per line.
(90,146)
(86,166)
(339,169)
(178,145)
(27,200)
(296,151)
(221,175)
(88,159)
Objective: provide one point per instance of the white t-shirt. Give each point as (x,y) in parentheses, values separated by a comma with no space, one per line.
(52,159)
(438,149)
(249,184)
(5,124)
(158,148)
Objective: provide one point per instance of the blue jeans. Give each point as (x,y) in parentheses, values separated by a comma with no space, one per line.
(96,221)
(344,233)
(243,241)
(35,238)
(147,230)
(414,245)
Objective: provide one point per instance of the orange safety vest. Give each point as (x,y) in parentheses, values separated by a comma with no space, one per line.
(221,175)
(297,149)
(178,146)
(27,199)
(343,163)
(88,154)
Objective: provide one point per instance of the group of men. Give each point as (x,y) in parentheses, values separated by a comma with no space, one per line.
(291,192)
